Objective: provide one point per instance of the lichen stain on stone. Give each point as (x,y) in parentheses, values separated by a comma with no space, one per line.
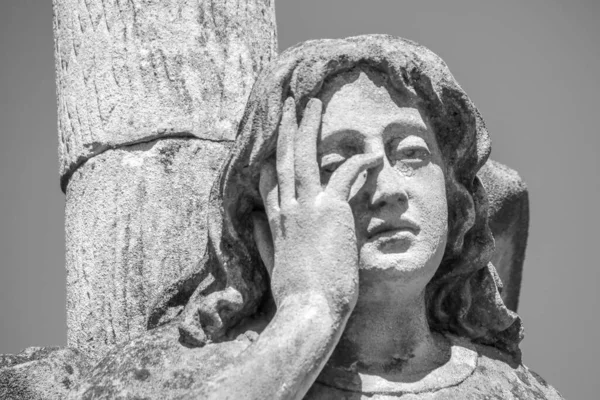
(67,382)
(141,374)
(69,369)
(539,379)
(180,380)
(167,154)
(525,392)
(523,377)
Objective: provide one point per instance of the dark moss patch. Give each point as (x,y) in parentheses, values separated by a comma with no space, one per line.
(141,374)
(67,383)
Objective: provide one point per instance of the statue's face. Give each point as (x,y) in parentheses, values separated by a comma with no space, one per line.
(400,207)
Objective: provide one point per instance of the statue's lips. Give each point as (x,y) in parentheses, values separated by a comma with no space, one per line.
(400,230)
(385,232)
(393,234)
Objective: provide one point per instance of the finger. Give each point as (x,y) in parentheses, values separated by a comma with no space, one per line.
(285,152)
(264,240)
(344,177)
(305,151)
(268,189)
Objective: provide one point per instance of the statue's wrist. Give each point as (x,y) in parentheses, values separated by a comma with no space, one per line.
(315,306)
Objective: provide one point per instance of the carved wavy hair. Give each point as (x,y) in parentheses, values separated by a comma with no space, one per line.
(229,284)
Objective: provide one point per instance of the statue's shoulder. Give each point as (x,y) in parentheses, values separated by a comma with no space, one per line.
(494,375)
(157,365)
(500,375)
(41,373)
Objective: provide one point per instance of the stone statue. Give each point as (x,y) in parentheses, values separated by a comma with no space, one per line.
(348,251)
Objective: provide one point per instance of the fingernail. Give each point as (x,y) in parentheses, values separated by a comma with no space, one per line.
(313,102)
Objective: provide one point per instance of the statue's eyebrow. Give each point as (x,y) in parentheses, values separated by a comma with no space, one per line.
(396,129)
(342,138)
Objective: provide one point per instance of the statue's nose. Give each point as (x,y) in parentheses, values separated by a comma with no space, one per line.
(389,186)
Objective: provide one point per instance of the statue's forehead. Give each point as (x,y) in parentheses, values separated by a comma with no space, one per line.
(364,82)
(364,99)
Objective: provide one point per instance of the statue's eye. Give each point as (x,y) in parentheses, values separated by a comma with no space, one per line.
(412,151)
(413,155)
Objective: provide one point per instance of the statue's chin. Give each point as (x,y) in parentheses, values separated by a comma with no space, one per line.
(413,265)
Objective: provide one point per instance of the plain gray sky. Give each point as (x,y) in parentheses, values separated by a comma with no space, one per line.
(530,66)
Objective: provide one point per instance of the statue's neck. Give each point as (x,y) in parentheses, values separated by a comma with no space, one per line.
(389,333)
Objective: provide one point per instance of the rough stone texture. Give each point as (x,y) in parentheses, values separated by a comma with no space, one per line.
(128,71)
(155,365)
(158,363)
(509,220)
(463,275)
(402,343)
(131,72)
(135,222)
(41,373)
(496,377)
(135,219)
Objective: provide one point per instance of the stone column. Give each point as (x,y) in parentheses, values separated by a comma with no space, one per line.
(149,97)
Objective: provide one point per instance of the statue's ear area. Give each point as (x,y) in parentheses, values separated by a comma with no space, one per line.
(263,239)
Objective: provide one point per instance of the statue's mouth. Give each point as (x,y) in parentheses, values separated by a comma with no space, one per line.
(393,234)
(382,229)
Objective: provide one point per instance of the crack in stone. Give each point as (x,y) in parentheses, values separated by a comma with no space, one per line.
(102,148)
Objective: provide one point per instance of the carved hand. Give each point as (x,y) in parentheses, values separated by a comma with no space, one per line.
(309,247)
(312,226)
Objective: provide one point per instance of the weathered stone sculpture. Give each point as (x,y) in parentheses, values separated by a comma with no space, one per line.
(509,221)
(348,251)
(149,97)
